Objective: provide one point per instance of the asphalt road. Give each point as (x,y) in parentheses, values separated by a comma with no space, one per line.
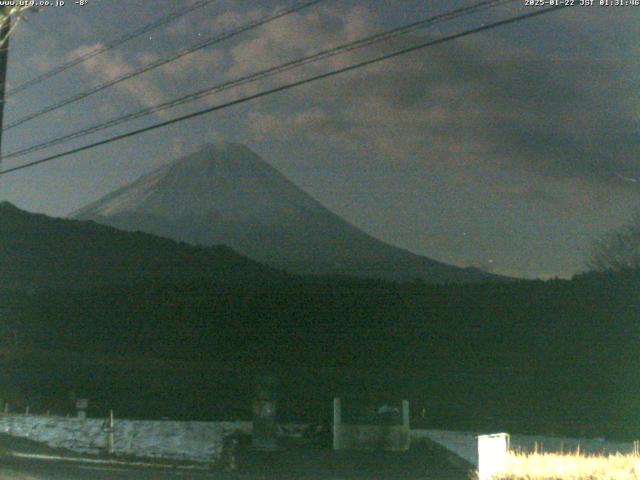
(305,462)
(22,469)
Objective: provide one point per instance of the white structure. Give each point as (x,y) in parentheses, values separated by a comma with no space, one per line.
(493,453)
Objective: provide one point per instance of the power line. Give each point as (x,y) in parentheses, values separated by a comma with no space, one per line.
(109,46)
(165,60)
(268,72)
(288,86)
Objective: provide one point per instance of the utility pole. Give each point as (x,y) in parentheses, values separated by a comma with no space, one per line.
(5,29)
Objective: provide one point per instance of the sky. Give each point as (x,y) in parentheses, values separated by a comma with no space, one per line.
(511,150)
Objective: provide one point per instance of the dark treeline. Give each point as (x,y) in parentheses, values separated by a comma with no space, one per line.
(557,356)
(39,252)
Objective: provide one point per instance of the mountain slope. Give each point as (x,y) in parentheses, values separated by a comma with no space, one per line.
(226,194)
(42,252)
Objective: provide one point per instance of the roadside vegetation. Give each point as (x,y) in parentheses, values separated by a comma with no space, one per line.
(571,466)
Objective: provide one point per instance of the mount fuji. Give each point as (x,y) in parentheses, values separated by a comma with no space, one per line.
(226,194)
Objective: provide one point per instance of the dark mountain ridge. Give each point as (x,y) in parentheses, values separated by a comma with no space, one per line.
(39,252)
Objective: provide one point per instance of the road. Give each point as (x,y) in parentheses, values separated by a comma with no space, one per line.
(305,462)
(23,469)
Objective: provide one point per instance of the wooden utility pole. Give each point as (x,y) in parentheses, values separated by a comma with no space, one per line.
(4,56)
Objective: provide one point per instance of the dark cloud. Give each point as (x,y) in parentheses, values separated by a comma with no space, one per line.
(556,116)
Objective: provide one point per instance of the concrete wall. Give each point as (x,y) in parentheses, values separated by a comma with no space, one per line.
(373,437)
(370,437)
(193,441)
(463,444)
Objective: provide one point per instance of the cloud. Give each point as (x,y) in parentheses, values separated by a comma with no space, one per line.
(112,65)
(297,35)
(515,107)
(178,147)
(155,86)
(487,98)
(315,123)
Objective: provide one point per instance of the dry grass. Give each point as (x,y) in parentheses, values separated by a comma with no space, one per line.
(571,466)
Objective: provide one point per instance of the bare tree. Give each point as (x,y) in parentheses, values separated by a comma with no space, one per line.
(618,250)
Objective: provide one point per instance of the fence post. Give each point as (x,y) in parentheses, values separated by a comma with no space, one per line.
(108,430)
(406,426)
(493,453)
(405,414)
(337,423)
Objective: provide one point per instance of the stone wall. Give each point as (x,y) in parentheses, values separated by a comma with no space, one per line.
(192,441)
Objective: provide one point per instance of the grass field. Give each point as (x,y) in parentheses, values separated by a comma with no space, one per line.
(571,466)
